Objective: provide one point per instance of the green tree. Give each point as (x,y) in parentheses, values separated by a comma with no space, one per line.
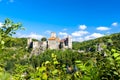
(7,29)
(44,39)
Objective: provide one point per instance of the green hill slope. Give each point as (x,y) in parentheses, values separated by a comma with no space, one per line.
(114,38)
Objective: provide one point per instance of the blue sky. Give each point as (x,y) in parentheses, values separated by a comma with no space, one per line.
(82,19)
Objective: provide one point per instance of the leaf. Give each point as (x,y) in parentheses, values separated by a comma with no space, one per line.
(44,76)
(117,59)
(110,59)
(47,62)
(53,55)
(41,69)
(113,50)
(116,55)
(55,72)
(56,62)
(116,73)
(86,78)
(63,66)
(2,42)
(77,62)
(82,67)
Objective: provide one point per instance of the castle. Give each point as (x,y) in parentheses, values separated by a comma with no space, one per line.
(53,42)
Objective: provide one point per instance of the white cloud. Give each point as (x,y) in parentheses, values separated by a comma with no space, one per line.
(32,35)
(82,27)
(78,39)
(102,28)
(1,24)
(63,33)
(88,37)
(115,24)
(93,36)
(48,32)
(79,33)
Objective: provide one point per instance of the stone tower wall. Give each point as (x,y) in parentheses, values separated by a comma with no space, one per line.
(70,42)
(29,42)
(53,44)
(35,44)
(44,45)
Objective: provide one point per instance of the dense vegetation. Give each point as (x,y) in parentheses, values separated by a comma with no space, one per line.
(114,38)
(16,63)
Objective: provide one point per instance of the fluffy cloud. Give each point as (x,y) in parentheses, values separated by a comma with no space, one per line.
(93,36)
(32,35)
(102,28)
(88,37)
(82,27)
(63,33)
(79,33)
(115,24)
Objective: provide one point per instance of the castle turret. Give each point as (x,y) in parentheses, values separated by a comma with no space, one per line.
(53,41)
(70,42)
(53,35)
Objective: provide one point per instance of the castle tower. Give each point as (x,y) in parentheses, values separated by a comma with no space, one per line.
(53,34)
(44,45)
(35,44)
(70,42)
(29,42)
(53,41)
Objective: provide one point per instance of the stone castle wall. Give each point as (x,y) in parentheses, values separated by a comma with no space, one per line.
(52,43)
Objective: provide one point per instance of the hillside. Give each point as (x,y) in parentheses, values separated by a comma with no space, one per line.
(113,38)
(16,63)
(17,42)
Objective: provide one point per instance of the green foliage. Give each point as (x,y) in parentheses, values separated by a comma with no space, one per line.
(4,75)
(44,39)
(64,65)
(112,41)
(16,63)
(16,43)
(7,30)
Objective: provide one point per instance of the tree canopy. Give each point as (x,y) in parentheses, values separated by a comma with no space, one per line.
(44,39)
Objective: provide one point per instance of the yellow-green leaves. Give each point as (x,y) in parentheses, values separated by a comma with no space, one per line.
(44,76)
(55,72)
(2,42)
(113,50)
(116,55)
(42,69)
